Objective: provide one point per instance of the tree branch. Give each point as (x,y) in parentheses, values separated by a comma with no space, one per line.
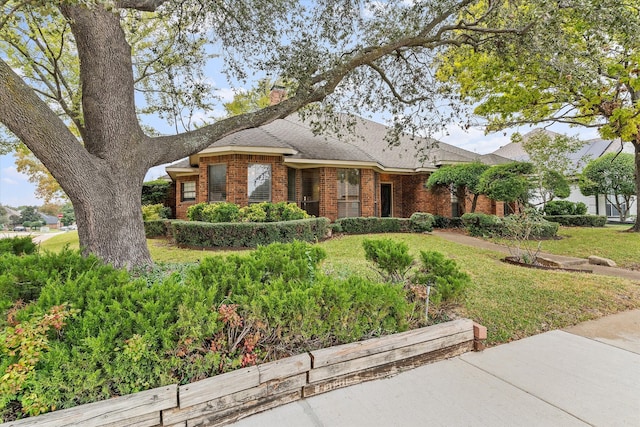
(141,5)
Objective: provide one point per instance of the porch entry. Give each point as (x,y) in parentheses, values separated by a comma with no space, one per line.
(386,199)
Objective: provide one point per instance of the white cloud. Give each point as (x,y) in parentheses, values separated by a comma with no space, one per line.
(10,172)
(226,94)
(8,181)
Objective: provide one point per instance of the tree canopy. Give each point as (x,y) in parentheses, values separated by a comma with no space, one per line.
(550,155)
(611,175)
(77,76)
(509,182)
(463,177)
(580,66)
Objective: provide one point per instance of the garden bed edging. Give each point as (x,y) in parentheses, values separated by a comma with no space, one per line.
(229,397)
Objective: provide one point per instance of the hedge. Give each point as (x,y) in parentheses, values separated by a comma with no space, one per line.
(578,220)
(366,225)
(440,221)
(418,222)
(247,234)
(156,228)
(483,225)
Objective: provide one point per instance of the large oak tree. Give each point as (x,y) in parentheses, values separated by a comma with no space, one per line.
(70,69)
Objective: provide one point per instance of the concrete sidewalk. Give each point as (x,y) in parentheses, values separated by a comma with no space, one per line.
(586,375)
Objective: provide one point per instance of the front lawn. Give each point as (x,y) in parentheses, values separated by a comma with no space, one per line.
(613,242)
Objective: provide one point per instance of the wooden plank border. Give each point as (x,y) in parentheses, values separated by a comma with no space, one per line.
(229,397)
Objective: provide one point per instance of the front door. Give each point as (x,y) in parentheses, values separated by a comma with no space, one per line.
(386,200)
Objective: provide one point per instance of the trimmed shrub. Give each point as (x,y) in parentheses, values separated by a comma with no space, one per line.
(235,235)
(440,221)
(421,222)
(155,212)
(479,224)
(18,246)
(272,212)
(391,258)
(578,220)
(443,274)
(157,228)
(565,207)
(362,225)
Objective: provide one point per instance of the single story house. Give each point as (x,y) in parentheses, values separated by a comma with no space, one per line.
(356,174)
(590,150)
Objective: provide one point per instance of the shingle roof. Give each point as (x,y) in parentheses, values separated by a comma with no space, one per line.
(365,143)
(590,150)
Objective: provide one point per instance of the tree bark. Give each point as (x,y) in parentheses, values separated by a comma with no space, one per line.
(636,145)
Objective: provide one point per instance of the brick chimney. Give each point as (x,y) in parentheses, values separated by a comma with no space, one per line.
(278,94)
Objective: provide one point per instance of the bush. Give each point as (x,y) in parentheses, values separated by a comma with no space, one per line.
(155,212)
(421,222)
(392,259)
(578,220)
(237,235)
(214,212)
(362,225)
(18,245)
(479,224)
(156,192)
(443,274)
(157,228)
(520,229)
(96,332)
(440,221)
(564,207)
(272,212)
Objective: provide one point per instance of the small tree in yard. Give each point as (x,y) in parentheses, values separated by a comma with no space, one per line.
(464,178)
(613,176)
(521,231)
(509,182)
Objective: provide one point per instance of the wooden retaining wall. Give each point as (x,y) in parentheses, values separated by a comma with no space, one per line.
(229,397)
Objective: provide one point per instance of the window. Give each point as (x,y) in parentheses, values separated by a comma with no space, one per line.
(259,183)
(612,210)
(311,191)
(188,191)
(218,183)
(291,185)
(348,193)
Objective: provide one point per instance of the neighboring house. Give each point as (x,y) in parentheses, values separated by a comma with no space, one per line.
(329,176)
(50,220)
(592,149)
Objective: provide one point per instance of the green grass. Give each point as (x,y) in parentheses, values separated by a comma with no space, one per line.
(613,242)
(512,302)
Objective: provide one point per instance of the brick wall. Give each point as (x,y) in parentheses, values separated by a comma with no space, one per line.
(329,193)
(367,193)
(417,198)
(181,207)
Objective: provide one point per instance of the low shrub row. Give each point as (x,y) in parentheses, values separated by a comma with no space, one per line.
(257,212)
(248,234)
(418,222)
(74,330)
(483,225)
(578,220)
(564,207)
(440,221)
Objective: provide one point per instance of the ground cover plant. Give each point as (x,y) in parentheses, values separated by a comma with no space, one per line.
(74,330)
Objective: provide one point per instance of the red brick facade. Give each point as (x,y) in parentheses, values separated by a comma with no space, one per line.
(409,193)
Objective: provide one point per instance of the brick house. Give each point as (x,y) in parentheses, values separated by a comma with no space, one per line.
(329,176)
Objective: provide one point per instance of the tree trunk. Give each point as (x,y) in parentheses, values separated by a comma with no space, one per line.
(636,145)
(109,217)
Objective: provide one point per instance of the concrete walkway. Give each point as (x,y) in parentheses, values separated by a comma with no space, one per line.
(587,375)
